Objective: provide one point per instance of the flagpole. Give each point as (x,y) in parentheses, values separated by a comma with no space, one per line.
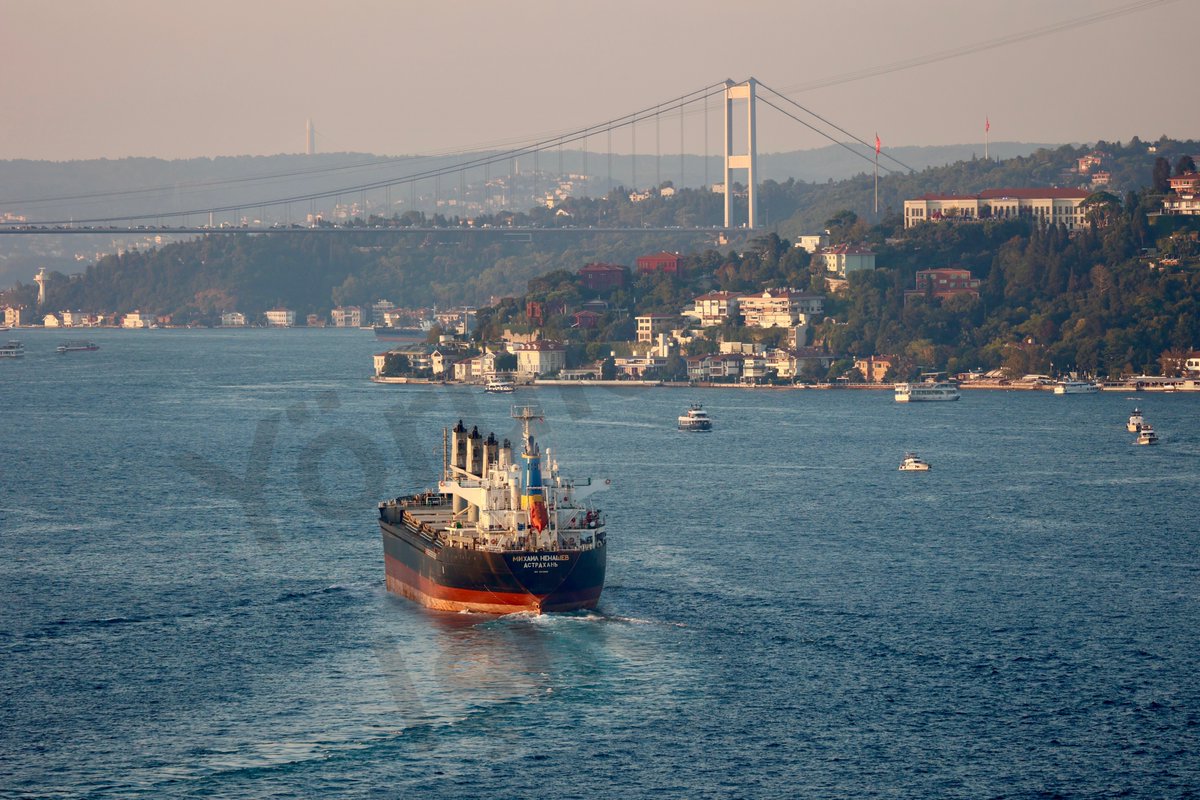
(987,128)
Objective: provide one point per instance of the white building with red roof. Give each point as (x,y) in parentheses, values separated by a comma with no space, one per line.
(844,258)
(1051,206)
(541,357)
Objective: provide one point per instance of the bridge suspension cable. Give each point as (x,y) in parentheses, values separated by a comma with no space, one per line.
(830,124)
(534,148)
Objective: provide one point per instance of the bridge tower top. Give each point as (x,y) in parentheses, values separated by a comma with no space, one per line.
(746,90)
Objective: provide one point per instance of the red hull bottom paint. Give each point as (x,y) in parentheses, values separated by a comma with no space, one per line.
(405,582)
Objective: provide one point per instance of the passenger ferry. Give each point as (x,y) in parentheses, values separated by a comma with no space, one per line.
(1076,387)
(933,387)
(13,349)
(695,419)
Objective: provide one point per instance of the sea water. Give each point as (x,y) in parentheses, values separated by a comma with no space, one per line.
(192,595)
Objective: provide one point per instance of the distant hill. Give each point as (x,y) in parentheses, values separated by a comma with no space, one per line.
(108,188)
(313,272)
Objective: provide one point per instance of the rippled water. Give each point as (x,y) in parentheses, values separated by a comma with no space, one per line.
(192,603)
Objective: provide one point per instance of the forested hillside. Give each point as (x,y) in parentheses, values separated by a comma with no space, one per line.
(1093,301)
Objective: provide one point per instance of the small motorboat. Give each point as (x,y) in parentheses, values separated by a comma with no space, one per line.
(495,386)
(1135,421)
(1146,435)
(914,463)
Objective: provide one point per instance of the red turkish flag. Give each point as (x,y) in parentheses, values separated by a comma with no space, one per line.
(877,144)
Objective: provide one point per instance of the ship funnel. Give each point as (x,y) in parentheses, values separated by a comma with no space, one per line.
(474,453)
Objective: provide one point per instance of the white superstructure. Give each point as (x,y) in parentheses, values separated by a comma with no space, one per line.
(695,419)
(1076,387)
(932,387)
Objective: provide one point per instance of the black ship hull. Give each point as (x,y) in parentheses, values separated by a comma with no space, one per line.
(389,333)
(458,579)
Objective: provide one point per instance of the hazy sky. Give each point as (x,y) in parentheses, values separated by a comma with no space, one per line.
(174,79)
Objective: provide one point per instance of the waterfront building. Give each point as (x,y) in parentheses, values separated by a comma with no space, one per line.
(541,357)
(942,283)
(1050,206)
(138,319)
(280,318)
(14,316)
(874,369)
(639,367)
(480,367)
(1192,362)
(346,317)
(233,319)
(51,321)
(792,363)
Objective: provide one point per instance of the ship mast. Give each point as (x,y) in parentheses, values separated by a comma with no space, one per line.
(527,414)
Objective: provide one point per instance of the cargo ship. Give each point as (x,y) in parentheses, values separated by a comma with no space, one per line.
(502,533)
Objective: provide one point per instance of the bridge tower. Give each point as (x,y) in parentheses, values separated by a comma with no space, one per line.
(40,280)
(748,160)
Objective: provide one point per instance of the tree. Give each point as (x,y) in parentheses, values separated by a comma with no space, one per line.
(395,364)
(608,369)
(1162,175)
(1184,164)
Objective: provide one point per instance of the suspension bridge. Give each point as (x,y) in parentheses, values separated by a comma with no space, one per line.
(735,103)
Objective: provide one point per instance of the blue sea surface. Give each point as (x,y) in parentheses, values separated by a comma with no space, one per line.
(192,596)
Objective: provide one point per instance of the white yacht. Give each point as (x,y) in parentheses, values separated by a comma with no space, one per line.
(13,349)
(1076,387)
(933,386)
(913,463)
(1136,421)
(1146,435)
(497,386)
(695,419)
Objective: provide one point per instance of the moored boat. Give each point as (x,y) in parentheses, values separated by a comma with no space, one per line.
(932,387)
(13,349)
(695,419)
(503,532)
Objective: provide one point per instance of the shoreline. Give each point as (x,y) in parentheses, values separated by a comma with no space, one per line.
(876,387)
